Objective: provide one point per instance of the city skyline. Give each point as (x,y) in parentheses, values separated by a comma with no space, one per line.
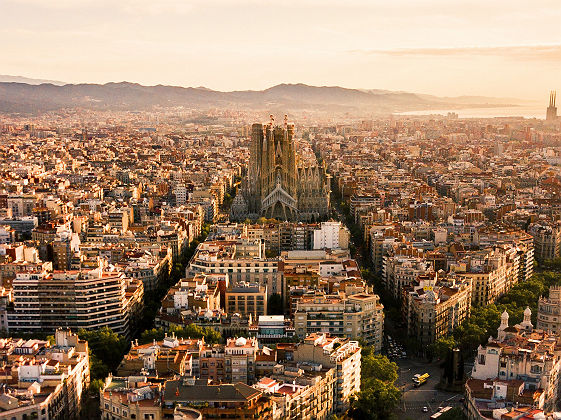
(306,209)
(471,48)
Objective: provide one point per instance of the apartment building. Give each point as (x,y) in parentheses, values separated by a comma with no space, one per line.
(521,352)
(341,354)
(21,205)
(124,398)
(238,400)
(331,235)
(194,293)
(435,308)
(382,239)
(75,299)
(547,240)
(242,260)
(492,273)
(519,239)
(549,311)
(147,268)
(301,390)
(483,397)
(400,271)
(162,359)
(356,316)
(232,362)
(43,381)
(247,299)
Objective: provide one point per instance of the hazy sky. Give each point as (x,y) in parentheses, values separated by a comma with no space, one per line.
(443,47)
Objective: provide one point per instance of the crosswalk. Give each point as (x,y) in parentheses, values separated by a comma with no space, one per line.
(417,406)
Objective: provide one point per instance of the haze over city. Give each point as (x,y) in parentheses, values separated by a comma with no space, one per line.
(291,210)
(507,49)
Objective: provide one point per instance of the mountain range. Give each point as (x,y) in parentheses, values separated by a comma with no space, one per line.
(28,80)
(17,97)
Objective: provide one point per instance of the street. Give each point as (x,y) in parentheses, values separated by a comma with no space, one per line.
(414,399)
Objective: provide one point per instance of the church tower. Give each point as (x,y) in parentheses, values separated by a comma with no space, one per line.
(551,114)
(504,325)
(527,323)
(279,185)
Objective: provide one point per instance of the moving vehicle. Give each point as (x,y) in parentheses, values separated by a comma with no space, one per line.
(440,412)
(421,379)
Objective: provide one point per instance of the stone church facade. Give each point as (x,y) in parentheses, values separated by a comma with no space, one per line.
(278,185)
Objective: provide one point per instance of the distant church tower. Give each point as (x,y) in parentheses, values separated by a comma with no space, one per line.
(504,325)
(551,114)
(527,323)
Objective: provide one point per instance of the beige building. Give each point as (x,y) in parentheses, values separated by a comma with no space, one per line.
(301,390)
(524,353)
(549,311)
(162,359)
(247,299)
(436,309)
(43,381)
(401,271)
(341,354)
(242,259)
(130,398)
(492,273)
(547,241)
(356,316)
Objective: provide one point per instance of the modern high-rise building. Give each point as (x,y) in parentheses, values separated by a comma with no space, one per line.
(551,114)
(279,184)
(92,299)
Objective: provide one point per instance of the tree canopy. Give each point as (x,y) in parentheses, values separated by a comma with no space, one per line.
(485,320)
(378,394)
(106,350)
(189,331)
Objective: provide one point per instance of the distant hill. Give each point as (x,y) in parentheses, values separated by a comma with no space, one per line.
(29,81)
(35,98)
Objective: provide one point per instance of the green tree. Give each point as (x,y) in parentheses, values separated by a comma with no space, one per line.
(106,347)
(98,369)
(194,331)
(376,401)
(379,367)
(378,394)
(96,385)
(148,336)
(443,345)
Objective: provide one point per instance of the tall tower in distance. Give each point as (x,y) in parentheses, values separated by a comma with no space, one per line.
(551,114)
